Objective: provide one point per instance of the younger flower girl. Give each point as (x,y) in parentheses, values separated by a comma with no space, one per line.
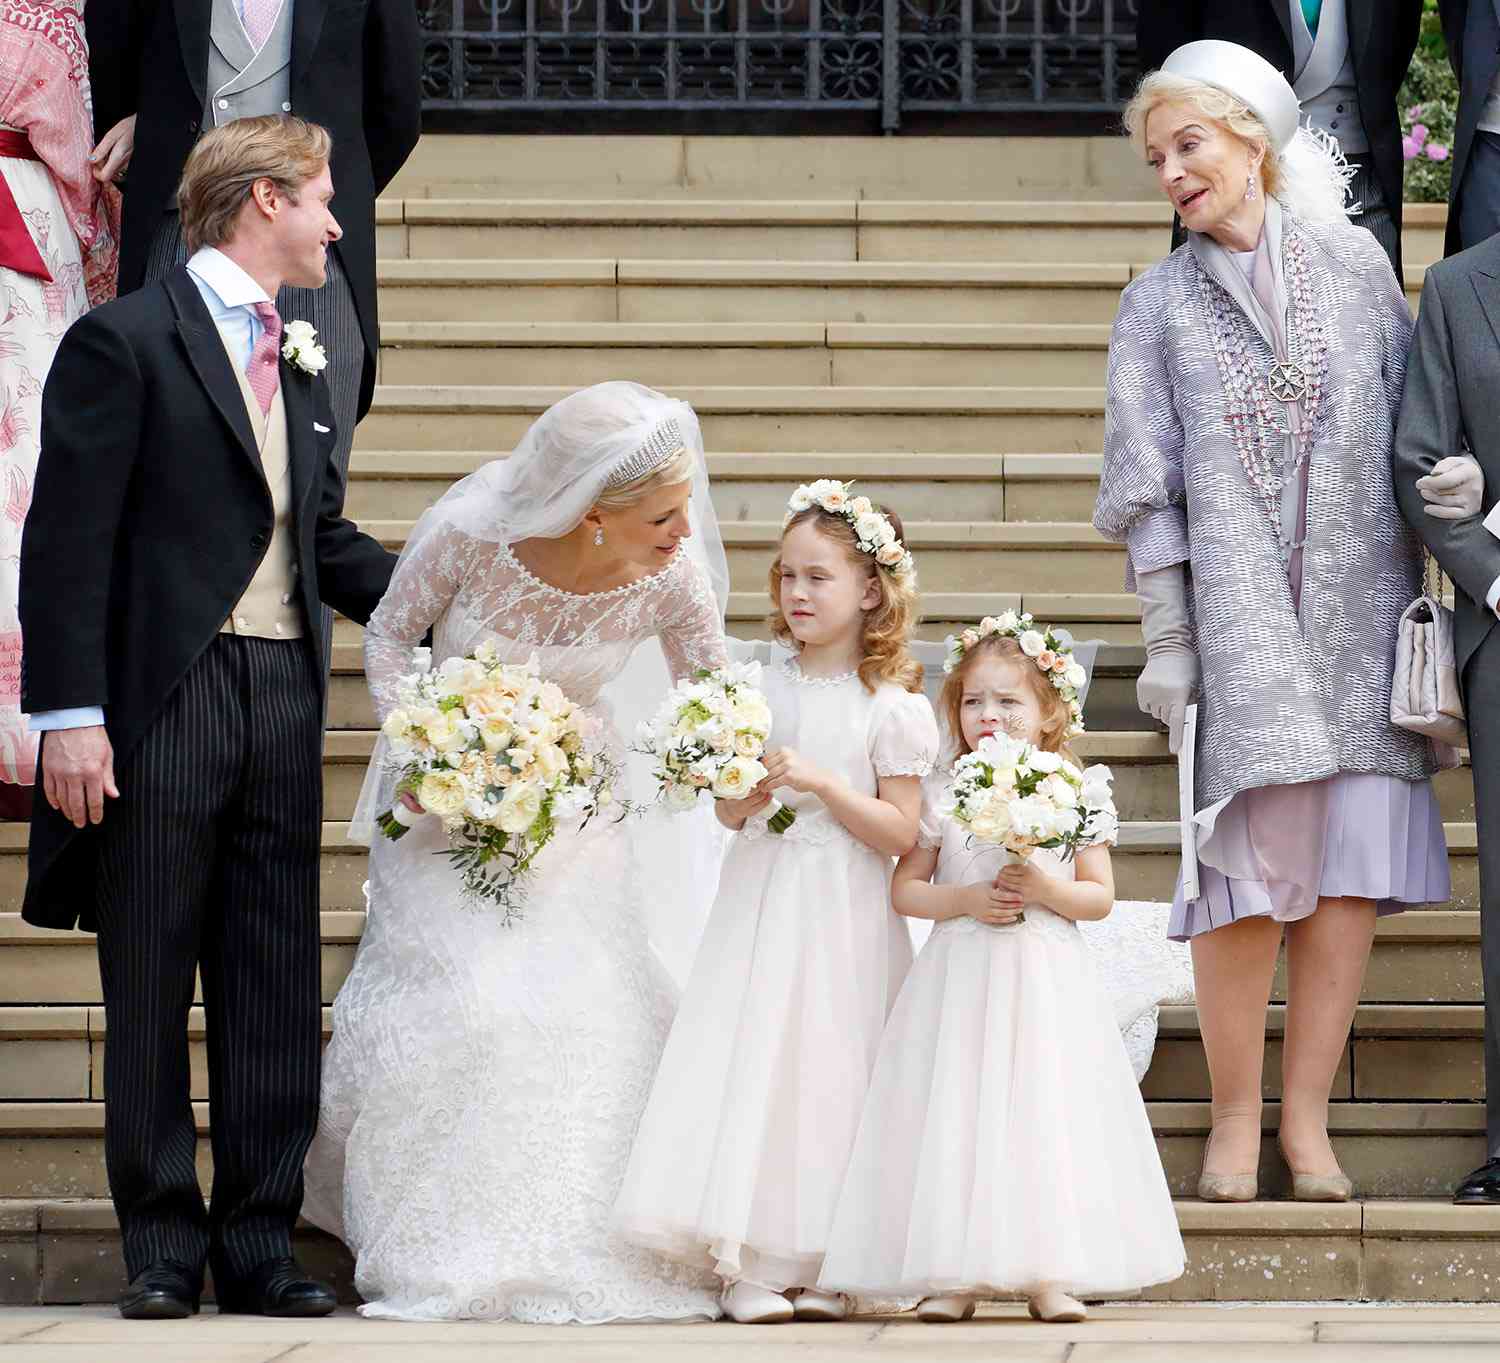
(741,1152)
(1004,1146)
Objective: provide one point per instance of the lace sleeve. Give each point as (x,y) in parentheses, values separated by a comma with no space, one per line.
(425,581)
(1142,501)
(691,629)
(905,741)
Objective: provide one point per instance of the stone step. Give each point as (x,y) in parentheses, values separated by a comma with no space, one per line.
(954,556)
(1425,957)
(824,229)
(401,484)
(55,1149)
(66,1252)
(675,167)
(759,291)
(746,291)
(1397,1053)
(673,355)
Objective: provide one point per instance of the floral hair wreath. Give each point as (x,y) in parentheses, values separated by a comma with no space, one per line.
(872,527)
(1051,652)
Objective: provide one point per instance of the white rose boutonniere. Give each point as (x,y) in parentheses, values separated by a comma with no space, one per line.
(303,349)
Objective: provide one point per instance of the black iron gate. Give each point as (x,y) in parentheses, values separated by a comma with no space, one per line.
(890,56)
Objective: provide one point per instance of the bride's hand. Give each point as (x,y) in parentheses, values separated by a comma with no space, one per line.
(787,767)
(411,802)
(733,813)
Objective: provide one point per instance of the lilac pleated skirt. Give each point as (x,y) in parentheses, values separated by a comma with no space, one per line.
(1382,839)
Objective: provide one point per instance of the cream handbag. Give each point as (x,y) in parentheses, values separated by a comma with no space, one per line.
(1424,690)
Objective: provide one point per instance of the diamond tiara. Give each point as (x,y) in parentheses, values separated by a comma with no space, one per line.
(660,448)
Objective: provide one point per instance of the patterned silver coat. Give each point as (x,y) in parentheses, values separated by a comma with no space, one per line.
(1284,699)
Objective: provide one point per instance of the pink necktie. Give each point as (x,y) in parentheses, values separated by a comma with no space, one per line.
(264,372)
(259,16)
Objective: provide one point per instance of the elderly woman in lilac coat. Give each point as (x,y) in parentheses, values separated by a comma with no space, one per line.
(1254,379)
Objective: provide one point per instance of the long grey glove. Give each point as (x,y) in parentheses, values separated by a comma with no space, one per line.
(1169,682)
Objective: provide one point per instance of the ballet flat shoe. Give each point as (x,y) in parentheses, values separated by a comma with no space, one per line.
(810,1304)
(1056,1307)
(752,1305)
(1227,1187)
(945,1310)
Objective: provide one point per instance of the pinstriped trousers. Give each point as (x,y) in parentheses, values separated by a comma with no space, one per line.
(209,859)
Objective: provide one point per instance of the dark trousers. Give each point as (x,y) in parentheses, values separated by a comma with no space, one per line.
(209,860)
(1482,705)
(1479,199)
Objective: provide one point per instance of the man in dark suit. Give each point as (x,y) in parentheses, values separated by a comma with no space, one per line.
(1448,405)
(185,534)
(165,71)
(1472,28)
(1346,60)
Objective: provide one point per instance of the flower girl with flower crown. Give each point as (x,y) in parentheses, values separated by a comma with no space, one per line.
(741,1151)
(1004,1146)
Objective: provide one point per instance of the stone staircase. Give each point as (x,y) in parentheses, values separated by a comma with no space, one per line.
(930,317)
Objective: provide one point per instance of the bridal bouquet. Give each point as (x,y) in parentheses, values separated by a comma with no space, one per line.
(709,735)
(502,757)
(1013,795)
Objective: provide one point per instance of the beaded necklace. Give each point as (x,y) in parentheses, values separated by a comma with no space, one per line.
(1257,396)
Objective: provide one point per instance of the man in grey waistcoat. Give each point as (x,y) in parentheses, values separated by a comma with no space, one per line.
(1448,406)
(166,71)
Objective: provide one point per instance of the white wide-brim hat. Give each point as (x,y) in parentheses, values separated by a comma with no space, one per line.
(1246,75)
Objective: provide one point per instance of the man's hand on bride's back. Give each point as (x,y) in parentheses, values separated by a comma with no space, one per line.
(78,769)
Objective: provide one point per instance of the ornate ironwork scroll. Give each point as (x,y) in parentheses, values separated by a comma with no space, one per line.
(886,55)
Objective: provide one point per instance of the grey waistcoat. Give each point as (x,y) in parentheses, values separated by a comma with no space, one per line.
(1287,696)
(244,83)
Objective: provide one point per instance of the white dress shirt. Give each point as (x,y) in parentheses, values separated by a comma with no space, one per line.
(229,294)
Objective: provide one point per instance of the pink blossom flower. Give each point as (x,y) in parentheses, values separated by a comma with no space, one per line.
(1409,149)
(1436,151)
(1415,111)
(1419,134)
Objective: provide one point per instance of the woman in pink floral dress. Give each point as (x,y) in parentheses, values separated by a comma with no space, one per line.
(58,235)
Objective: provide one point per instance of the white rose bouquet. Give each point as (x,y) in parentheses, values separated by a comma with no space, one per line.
(709,736)
(502,757)
(1012,795)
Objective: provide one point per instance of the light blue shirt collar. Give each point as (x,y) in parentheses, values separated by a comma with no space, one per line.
(229,294)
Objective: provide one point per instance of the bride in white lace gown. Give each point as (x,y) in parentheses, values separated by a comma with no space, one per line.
(484,1083)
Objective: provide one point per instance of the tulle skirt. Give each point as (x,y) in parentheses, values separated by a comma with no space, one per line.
(1004,1143)
(1357,834)
(742,1149)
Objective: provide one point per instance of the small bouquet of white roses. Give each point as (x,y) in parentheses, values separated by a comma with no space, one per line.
(502,757)
(709,736)
(1013,795)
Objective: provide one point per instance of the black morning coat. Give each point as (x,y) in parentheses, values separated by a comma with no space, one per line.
(356,69)
(1382,37)
(150,515)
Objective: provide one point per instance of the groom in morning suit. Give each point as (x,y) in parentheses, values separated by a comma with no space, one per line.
(1449,404)
(186,531)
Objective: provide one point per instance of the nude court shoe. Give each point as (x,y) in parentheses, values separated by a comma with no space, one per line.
(1318,1187)
(1056,1307)
(751,1304)
(1226,1187)
(945,1310)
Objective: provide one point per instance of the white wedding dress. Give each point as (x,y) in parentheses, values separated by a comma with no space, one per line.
(484,1083)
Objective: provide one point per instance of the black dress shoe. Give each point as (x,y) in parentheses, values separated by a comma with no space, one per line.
(277,1287)
(165,1290)
(1481,1188)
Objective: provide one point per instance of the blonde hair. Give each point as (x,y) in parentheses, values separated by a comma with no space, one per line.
(1218,106)
(1056,719)
(885,636)
(224,166)
(678,469)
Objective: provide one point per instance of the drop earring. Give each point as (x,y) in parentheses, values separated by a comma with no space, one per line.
(1251,193)
(599,536)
